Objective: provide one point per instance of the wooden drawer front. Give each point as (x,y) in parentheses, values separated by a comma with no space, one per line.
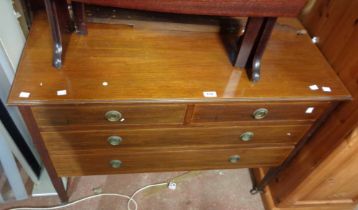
(126,138)
(244,111)
(77,164)
(85,115)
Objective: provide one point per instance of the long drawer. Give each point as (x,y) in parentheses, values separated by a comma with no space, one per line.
(127,138)
(132,161)
(208,113)
(89,115)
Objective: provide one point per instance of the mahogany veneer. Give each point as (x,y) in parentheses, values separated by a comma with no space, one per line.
(166,121)
(262,18)
(143,137)
(75,163)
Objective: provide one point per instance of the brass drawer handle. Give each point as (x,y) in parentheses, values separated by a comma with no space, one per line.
(260,113)
(234,158)
(114,140)
(113,116)
(116,163)
(247,136)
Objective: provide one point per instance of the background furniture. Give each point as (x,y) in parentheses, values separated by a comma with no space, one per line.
(262,17)
(9,171)
(324,174)
(20,164)
(123,106)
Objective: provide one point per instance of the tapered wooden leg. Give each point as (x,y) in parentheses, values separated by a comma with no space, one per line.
(257,33)
(274,172)
(40,146)
(79,17)
(60,23)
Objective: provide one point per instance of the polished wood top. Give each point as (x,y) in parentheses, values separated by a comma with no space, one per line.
(119,63)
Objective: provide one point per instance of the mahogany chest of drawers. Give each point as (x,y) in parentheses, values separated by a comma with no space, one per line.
(169,102)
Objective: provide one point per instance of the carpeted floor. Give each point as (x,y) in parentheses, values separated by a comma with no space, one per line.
(198,190)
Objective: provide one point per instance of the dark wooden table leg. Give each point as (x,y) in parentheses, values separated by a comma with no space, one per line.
(248,40)
(260,46)
(60,23)
(40,146)
(79,17)
(253,43)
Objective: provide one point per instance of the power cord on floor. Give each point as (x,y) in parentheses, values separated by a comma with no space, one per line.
(171,185)
(130,199)
(76,201)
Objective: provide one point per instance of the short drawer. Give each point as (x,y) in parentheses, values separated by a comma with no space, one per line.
(90,115)
(128,138)
(206,113)
(111,162)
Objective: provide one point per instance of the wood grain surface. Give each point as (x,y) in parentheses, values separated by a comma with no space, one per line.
(90,115)
(158,80)
(167,66)
(322,173)
(57,142)
(267,198)
(244,111)
(76,163)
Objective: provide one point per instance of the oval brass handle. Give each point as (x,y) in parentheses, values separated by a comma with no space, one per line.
(260,113)
(114,140)
(113,116)
(116,163)
(247,136)
(234,158)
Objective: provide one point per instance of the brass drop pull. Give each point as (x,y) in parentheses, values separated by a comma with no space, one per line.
(234,158)
(113,116)
(116,163)
(260,113)
(114,140)
(247,136)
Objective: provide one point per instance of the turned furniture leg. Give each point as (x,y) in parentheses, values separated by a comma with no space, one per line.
(79,17)
(60,23)
(40,146)
(257,33)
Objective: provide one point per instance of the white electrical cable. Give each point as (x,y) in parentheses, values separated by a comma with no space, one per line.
(131,199)
(77,201)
